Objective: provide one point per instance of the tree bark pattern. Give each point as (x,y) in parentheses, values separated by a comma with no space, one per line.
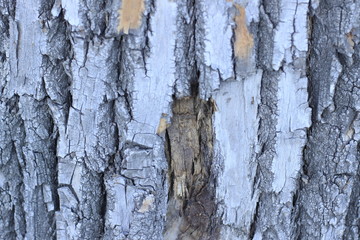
(195,119)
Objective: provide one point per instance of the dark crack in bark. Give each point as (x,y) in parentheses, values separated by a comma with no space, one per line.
(191,205)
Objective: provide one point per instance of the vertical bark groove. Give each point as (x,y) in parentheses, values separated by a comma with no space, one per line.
(191,204)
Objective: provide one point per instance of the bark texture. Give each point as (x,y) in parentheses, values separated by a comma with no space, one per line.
(193,119)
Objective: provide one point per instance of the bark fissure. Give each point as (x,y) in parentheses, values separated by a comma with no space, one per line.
(254,221)
(103,204)
(191,201)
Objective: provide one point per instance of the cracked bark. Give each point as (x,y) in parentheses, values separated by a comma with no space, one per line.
(196,119)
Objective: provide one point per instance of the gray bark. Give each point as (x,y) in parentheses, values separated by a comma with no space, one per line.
(194,119)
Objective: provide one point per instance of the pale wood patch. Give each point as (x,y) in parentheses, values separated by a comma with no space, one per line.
(350,39)
(147,204)
(130,15)
(244,41)
(163,124)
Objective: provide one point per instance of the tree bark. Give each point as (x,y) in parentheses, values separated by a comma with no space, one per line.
(193,119)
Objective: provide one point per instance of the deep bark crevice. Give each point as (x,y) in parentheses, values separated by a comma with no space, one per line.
(253,222)
(103,204)
(191,205)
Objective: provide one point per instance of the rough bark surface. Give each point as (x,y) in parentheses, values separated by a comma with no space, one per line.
(191,206)
(193,119)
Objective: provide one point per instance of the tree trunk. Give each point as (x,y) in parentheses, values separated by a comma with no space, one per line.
(169,119)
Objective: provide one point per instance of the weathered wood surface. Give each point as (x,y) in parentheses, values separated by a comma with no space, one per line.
(167,119)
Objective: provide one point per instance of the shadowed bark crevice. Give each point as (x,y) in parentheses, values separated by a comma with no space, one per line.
(254,220)
(191,205)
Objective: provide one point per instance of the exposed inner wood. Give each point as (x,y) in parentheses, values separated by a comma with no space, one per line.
(244,40)
(130,15)
(162,124)
(191,206)
(350,39)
